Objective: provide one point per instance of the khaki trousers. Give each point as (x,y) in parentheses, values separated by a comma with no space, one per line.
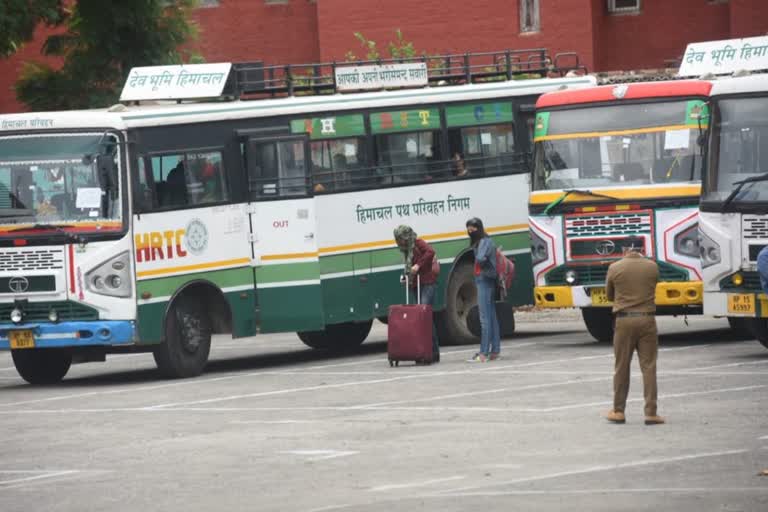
(635,333)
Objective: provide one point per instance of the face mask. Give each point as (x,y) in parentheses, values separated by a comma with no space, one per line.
(474,236)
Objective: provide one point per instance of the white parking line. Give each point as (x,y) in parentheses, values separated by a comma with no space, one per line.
(479,393)
(39,476)
(624,490)
(594,469)
(412,485)
(661,397)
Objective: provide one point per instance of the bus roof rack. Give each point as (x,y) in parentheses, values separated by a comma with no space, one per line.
(254,80)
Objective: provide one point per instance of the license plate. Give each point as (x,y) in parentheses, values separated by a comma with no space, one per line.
(599,297)
(741,303)
(21,339)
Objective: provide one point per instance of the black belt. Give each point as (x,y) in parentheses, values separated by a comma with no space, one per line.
(621,314)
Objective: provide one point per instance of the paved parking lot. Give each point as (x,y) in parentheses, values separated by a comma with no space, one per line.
(274,426)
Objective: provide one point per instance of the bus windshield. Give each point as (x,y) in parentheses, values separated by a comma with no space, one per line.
(60,181)
(739,151)
(618,145)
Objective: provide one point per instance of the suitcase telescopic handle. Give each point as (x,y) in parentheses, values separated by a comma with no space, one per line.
(408,288)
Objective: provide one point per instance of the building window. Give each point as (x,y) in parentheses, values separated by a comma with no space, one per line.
(529,16)
(620,6)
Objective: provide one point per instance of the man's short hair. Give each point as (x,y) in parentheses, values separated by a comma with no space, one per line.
(635,243)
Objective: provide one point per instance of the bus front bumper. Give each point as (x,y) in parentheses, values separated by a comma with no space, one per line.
(72,334)
(688,293)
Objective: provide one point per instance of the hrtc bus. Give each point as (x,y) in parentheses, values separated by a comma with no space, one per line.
(150,226)
(734,202)
(612,162)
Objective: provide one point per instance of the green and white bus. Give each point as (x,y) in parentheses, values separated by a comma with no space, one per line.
(152,225)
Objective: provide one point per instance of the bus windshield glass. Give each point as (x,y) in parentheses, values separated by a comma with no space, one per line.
(739,151)
(619,145)
(60,181)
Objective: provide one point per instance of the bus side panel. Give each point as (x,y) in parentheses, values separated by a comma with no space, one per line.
(290,297)
(204,245)
(351,224)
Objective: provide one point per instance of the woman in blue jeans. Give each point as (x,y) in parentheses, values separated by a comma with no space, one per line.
(486,281)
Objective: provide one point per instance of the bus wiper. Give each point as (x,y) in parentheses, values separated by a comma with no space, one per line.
(739,186)
(59,228)
(554,204)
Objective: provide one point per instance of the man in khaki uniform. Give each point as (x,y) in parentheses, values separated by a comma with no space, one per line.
(631,286)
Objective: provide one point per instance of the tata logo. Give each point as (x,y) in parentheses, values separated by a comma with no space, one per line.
(18,284)
(620,91)
(605,247)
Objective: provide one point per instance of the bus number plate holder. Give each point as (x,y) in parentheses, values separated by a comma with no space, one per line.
(741,303)
(599,297)
(21,339)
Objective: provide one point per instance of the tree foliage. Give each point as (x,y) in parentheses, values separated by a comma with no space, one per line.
(18,19)
(103,41)
(398,49)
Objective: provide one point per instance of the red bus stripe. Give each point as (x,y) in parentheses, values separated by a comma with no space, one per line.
(72,268)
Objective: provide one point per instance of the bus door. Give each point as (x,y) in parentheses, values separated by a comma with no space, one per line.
(283,234)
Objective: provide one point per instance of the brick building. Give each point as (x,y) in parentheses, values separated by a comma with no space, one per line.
(607,34)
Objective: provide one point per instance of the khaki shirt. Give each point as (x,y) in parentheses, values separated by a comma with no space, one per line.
(631,284)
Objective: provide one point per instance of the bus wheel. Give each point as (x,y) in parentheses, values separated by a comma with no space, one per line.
(740,328)
(460,300)
(599,322)
(315,339)
(759,328)
(350,335)
(42,365)
(384,320)
(344,336)
(184,353)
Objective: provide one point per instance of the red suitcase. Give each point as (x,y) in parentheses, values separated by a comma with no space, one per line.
(409,332)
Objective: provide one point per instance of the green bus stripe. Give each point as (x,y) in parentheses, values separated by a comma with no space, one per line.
(166,286)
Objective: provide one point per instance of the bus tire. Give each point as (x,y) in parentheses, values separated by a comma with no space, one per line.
(344,336)
(505,314)
(315,339)
(740,328)
(460,299)
(599,322)
(42,365)
(384,320)
(184,353)
(759,329)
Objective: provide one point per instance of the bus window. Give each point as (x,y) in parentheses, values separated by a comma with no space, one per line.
(338,164)
(406,157)
(189,179)
(276,168)
(487,150)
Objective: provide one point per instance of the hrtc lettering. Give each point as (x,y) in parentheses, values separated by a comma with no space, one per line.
(159,245)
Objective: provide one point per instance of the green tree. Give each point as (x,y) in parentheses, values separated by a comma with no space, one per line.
(103,41)
(18,19)
(398,49)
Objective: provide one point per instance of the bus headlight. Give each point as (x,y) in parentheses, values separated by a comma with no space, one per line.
(17,316)
(709,251)
(539,251)
(571,277)
(687,242)
(111,277)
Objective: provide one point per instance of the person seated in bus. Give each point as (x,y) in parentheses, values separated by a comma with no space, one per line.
(341,171)
(212,190)
(459,166)
(175,188)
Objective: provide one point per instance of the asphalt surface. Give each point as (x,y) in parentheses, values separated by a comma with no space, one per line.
(275,426)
